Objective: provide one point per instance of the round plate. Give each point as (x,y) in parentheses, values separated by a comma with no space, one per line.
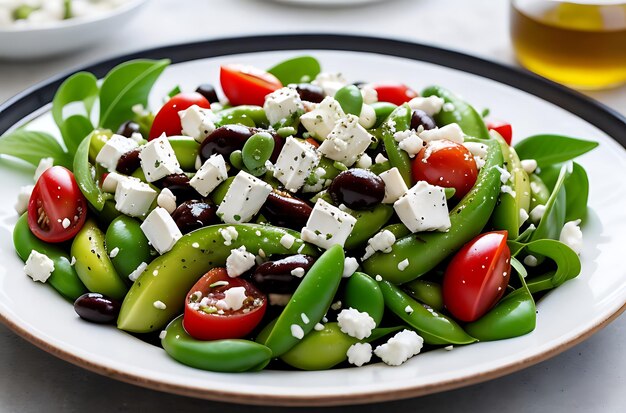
(565,316)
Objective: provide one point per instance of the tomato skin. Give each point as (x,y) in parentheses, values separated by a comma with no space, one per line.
(167,120)
(247,85)
(477,276)
(503,128)
(58,196)
(396,93)
(448,160)
(203,326)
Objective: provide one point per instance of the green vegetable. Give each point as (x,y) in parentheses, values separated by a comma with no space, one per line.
(23,11)
(256,151)
(174,91)
(539,192)
(219,193)
(382,110)
(551,149)
(186,150)
(368,223)
(219,355)
(399,120)
(350,99)
(576,187)
(554,216)
(297,70)
(247,115)
(426,292)
(31,146)
(363,293)
(125,234)
(83,174)
(64,278)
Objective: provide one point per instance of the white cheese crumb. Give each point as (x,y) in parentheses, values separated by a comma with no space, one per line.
(239,261)
(305,318)
(408,309)
(505,189)
(137,272)
(380,158)
(229,234)
(114,252)
(162,334)
(73,261)
(531,260)
(298,272)
(505,176)
(287,241)
(400,348)
(297,331)
(382,241)
(350,265)
(159,305)
(167,200)
(39,266)
(523,216)
(44,165)
(318,327)
(359,354)
(529,165)
(23,197)
(355,323)
(448,348)
(537,213)
(66,223)
(336,305)
(233,299)
(379,278)
(572,236)
(402,265)
(195,245)
(364,161)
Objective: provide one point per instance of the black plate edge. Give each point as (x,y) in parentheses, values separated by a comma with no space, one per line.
(596,113)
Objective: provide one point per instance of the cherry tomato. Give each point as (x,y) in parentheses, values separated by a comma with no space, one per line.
(57,209)
(167,120)
(503,128)
(206,314)
(477,276)
(396,93)
(447,164)
(247,85)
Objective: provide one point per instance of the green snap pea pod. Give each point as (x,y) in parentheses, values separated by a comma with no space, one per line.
(329,167)
(312,298)
(64,278)
(398,230)
(98,138)
(368,223)
(93,266)
(231,356)
(539,192)
(435,328)
(425,251)
(256,151)
(219,193)
(107,214)
(399,120)
(382,110)
(83,171)
(350,99)
(379,168)
(426,292)
(363,293)
(169,277)
(133,248)
(470,121)
(248,115)
(186,150)
(576,186)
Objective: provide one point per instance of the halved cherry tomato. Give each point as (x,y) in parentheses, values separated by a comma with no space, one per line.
(167,120)
(477,276)
(447,164)
(396,93)
(503,128)
(208,315)
(57,209)
(247,85)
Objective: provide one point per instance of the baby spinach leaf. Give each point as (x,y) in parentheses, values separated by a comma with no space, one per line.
(127,85)
(74,129)
(554,216)
(31,146)
(577,189)
(551,149)
(84,178)
(296,70)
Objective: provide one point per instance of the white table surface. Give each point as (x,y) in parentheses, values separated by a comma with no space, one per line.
(588,377)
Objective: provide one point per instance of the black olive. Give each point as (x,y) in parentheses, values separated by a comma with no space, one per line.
(208,91)
(229,138)
(284,210)
(421,118)
(180,187)
(310,93)
(194,214)
(129,162)
(97,308)
(276,276)
(128,128)
(357,189)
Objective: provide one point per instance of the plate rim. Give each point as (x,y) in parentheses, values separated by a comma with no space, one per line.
(604,118)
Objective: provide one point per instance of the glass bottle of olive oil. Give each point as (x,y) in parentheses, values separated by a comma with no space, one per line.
(580,43)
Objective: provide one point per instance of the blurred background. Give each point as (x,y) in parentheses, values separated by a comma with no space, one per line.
(581,45)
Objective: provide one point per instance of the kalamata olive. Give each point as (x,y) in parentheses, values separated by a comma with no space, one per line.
(128,128)
(208,91)
(357,189)
(225,140)
(97,308)
(421,118)
(284,210)
(194,214)
(180,187)
(129,162)
(276,277)
(310,93)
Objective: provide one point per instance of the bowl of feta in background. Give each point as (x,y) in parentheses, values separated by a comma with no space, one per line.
(42,28)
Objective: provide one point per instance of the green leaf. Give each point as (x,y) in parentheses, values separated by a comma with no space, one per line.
(551,149)
(554,216)
(175,91)
(127,85)
(296,70)
(31,146)
(577,190)
(83,175)
(74,130)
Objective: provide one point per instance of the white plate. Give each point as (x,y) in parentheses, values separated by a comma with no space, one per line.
(565,316)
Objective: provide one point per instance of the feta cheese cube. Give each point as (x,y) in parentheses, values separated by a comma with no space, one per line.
(379,242)
(476,149)
(233,299)
(572,236)
(451,132)
(364,161)
(327,225)
(282,105)
(210,175)
(380,158)
(395,186)
(113,150)
(239,261)
(359,354)
(295,163)
(167,200)
(112,180)
(44,165)
(23,197)
(244,198)
(400,348)
(330,82)
(346,141)
(355,323)
(197,122)
(410,142)
(158,159)
(39,266)
(430,104)
(423,208)
(529,165)
(350,265)
(133,197)
(161,230)
(321,120)
(367,117)
(369,94)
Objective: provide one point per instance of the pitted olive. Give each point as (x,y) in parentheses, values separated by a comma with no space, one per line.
(357,189)
(194,214)
(282,276)
(284,210)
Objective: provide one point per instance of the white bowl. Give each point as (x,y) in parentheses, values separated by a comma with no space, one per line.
(48,39)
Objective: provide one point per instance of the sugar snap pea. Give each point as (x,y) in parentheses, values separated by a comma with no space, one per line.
(363,293)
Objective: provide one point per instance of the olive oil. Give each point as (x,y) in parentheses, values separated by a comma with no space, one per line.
(580,44)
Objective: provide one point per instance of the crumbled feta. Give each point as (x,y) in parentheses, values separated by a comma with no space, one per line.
(280,300)
(321,120)
(448,348)
(531,260)
(523,216)
(378,278)
(66,223)
(39,266)
(330,82)
(162,334)
(529,165)
(359,354)
(382,241)
(158,159)
(161,230)
(159,305)
(423,208)
(572,236)
(229,234)
(402,265)
(380,158)
(350,265)
(327,225)
(400,348)
(297,331)
(305,318)
(111,180)
(367,117)
(210,175)
(506,189)
(197,122)
(369,94)
(448,107)
(281,105)
(133,197)
(537,213)
(44,165)
(287,241)
(430,104)
(355,323)
(137,137)
(411,145)
(113,253)
(239,261)
(318,327)
(476,149)
(245,197)
(408,309)
(451,132)
(296,161)
(233,299)
(298,272)
(137,272)
(364,161)
(395,186)
(113,150)
(167,200)
(335,306)
(23,197)
(73,261)
(347,141)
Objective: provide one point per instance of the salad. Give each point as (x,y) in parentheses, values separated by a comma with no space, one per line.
(299,221)
(21,13)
